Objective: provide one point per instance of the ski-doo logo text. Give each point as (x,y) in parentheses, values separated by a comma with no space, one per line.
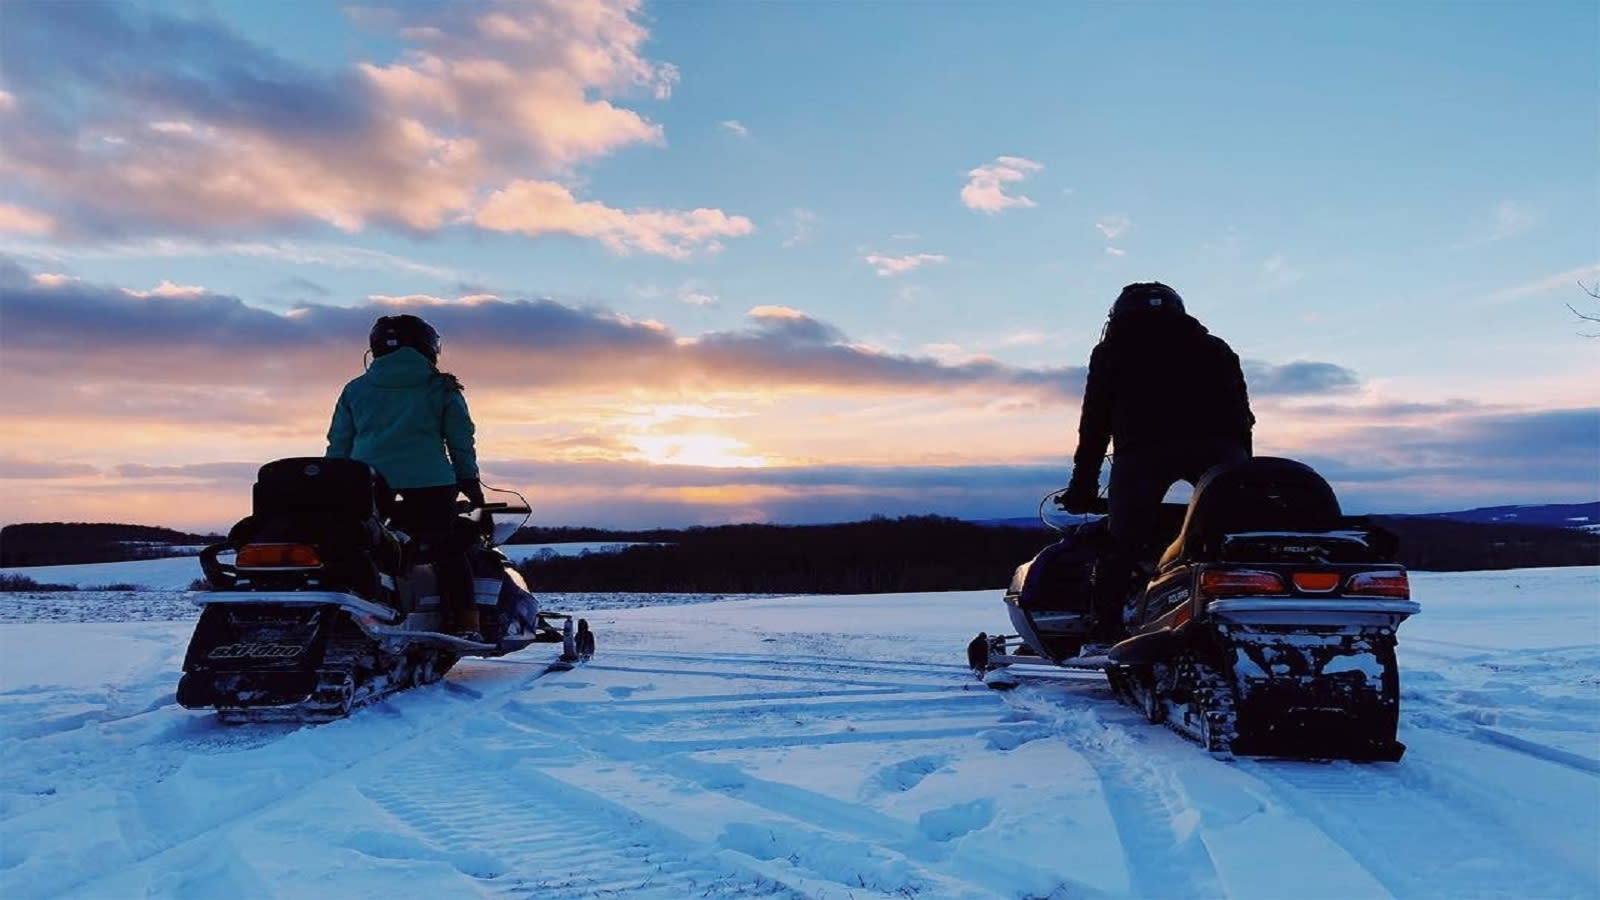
(255,649)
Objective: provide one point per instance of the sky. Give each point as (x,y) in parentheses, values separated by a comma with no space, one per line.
(791,262)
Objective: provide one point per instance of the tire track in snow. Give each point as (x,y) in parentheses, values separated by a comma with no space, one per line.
(844,844)
(1161,838)
(484,824)
(802,661)
(145,803)
(745,675)
(1372,812)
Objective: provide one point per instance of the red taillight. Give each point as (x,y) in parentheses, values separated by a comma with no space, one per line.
(277,556)
(1316,582)
(1379,584)
(1240,582)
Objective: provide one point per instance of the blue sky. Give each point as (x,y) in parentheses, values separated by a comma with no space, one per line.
(1400,194)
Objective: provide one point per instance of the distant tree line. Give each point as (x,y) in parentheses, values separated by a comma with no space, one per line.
(930,553)
(881,555)
(1446,545)
(76,543)
(913,553)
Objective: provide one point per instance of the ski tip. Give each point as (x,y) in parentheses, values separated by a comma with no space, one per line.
(1000,680)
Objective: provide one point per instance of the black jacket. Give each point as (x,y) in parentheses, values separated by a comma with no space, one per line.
(1160,380)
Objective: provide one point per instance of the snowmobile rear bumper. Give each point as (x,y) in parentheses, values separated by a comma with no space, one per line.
(1309,610)
(360,609)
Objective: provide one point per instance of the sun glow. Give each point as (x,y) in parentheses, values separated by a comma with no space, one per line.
(710,450)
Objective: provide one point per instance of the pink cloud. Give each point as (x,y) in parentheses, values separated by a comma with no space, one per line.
(491,98)
(985,190)
(168,289)
(21,220)
(900,265)
(544,207)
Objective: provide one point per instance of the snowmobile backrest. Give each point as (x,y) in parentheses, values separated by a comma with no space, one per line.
(1264,493)
(313,485)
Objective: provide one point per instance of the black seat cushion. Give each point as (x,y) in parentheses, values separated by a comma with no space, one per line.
(341,488)
(1264,493)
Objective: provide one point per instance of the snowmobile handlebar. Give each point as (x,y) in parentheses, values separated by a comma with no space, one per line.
(1101,505)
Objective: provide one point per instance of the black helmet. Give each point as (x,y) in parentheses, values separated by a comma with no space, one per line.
(1146,297)
(390,333)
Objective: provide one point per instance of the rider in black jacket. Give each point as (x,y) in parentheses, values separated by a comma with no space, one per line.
(1171,397)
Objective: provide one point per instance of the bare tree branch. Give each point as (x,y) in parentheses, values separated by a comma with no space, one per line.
(1594,293)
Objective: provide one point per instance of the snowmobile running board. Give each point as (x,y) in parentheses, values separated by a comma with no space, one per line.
(1084,663)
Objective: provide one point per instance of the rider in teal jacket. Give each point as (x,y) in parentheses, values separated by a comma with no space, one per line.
(409,421)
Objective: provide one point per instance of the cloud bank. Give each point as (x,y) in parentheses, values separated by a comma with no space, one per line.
(104,382)
(123,120)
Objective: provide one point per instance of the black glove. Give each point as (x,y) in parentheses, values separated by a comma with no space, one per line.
(1081,496)
(472,490)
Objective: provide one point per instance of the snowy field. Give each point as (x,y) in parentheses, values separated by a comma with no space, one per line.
(825,747)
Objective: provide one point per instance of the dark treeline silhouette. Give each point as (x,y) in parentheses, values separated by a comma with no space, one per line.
(1444,545)
(930,553)
(75,543)
(914,553)
(567,534)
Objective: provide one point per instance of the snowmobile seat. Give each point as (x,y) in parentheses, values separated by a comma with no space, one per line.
(337,504)
(1260,494)
(343,488)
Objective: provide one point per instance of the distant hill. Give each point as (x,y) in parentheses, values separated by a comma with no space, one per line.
(1551,515)
(1554,515)
(75,543)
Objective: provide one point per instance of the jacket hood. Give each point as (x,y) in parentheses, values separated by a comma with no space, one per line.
(400,368)
(1137,327)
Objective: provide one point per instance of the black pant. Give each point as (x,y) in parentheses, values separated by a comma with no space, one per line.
(429,515)
(1139,480)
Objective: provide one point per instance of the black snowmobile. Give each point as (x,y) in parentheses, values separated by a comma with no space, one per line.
(323,608)
(1266,628)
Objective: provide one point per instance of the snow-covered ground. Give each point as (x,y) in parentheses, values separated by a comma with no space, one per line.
(802,746)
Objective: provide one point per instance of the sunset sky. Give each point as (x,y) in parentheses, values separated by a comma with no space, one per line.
(791,261)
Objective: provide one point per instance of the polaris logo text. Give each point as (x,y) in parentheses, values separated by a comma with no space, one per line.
(255,650)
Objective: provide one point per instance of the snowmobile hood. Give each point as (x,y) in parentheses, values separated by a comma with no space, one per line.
(402,368)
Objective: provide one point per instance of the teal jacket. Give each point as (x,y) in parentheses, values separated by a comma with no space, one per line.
(406,420)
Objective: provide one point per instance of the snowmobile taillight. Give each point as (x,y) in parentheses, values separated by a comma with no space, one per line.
(1380,584)
(1240,582)
(277,556)
(1316,582)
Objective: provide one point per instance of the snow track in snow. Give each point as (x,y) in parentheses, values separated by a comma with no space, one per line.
(527,837)
(195,779)
(1376,811)
(1160,841)
(818,844)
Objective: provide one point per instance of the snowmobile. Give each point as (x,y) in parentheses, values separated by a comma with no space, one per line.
(1266,628)
(316,606)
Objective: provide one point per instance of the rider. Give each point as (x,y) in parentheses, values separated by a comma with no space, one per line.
(1171,397)
(409,421)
